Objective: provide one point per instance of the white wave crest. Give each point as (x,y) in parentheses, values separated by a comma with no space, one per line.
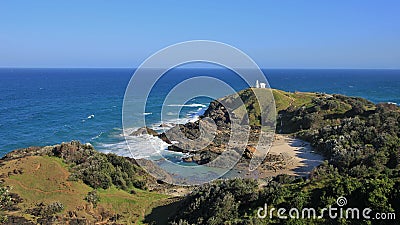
(97,136)
(189,105)
(138,147)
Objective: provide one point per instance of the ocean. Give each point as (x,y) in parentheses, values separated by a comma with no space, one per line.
(41,107)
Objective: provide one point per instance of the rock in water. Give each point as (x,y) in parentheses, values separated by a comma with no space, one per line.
(144,130)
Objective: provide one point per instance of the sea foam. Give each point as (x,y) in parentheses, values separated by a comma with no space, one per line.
(195,105)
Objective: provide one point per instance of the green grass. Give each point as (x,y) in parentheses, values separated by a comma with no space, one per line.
(45,179)
(282,99)
(134,206)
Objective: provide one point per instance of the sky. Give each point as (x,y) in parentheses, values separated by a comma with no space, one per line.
(275,34)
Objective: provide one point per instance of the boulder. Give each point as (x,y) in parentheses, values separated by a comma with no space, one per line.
(163,137)
(177,149)
(167,125)
(188,159)
(249,151)
(144,130)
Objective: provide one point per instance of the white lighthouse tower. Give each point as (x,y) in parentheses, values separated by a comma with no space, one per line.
(257,84)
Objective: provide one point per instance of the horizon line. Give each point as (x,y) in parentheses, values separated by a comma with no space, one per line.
(263,68)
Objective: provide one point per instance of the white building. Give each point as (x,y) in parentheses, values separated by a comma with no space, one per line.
(260,85)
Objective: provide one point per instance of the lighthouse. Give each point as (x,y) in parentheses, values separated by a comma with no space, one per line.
(260,85)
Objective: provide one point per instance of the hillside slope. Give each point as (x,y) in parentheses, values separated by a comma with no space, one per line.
(72,183)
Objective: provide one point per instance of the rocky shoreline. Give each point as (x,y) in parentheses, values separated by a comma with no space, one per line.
(212,132)
(213,136)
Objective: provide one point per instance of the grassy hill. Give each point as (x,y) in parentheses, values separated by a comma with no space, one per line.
(282,100)
(41,180)
(299,110)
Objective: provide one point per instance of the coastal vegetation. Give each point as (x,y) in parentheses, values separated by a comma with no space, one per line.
(360,141)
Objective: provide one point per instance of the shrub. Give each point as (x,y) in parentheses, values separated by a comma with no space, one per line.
(100,170)
(218,202)
(44,210)
(93,197)
(5,201)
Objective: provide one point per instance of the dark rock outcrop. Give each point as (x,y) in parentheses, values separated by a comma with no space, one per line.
(30,151)
(217,112)
(216,122)
(144,130)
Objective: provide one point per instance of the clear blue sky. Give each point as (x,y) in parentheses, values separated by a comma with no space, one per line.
(276,34)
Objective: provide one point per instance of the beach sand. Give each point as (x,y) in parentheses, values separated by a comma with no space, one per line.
(301,158)
(288,156)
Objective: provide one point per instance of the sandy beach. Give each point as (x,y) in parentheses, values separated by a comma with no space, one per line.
(287,156)
(299,156)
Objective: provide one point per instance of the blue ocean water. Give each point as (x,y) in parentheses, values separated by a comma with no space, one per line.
(48,106)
